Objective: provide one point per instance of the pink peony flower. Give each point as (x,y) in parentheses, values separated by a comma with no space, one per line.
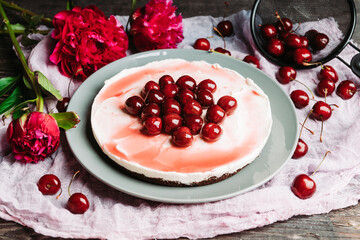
(87,41)
(156,26)
(33,137)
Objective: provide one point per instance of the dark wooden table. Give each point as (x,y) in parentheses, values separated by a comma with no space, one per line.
(338,224)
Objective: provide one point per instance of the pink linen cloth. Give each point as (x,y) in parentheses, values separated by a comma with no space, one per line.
(116,215)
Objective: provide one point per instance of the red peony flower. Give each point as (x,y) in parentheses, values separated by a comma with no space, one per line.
(87,41)
(156,26)
(33,137)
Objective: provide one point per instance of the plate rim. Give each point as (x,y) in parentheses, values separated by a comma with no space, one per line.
(165,53)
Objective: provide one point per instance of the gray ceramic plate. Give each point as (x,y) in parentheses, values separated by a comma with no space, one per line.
(277,151)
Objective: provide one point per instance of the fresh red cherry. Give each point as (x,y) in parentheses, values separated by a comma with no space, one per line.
(205,98)
(286,74)
(211,132)
(150,110)
(182,137)
(165,80)
(284,25)
(170,105)
(304,41)
(170,90)
(202,44)
(325,87)
(293,41)
(228,104)
(225,28)
(152,126)
(222,50)
(78,203)
(328,72)
(215,114)
(155,96)
(303,186)
(134,105)
(192,107)
(150,85)
(49,184)
(319,42)
(194,123)
(187,82)
(283,35)
(321,111)
(252,60)
(185,95)
(346,89)
(302,56)
(61,106)
(207,84)
(299,98)
(301,149)
(268,31)
(171,122)
(310,35)
(275,47)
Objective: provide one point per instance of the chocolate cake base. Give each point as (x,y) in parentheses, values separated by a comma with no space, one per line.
(161,181)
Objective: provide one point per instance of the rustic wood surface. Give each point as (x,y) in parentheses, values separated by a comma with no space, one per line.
(338,224)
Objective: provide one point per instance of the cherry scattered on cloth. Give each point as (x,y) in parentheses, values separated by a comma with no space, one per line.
(49,184)
(202,44)
(299,98)
(252,60)
(301,149)
(226,28)
(346,89)
(328,72)
(303,186)
(77,202)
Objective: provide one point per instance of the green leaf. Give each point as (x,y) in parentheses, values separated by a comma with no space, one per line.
(18,114)
(26,82)
(7,83)
(69,5)
(26,41)
(47,85)
(66,120)
(16,27)
(11,101)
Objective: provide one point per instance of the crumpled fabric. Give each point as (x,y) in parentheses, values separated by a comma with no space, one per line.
(116,215)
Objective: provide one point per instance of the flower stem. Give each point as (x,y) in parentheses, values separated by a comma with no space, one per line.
(29,73)
(2,32)
(23,10)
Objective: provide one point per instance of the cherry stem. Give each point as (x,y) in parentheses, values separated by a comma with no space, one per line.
(226,8)
(303,124)
(72,179)
(312,94)
(310,64)
(57,197)
(279,18)
(311,131)
(322,127)
(218,32)
(320,163)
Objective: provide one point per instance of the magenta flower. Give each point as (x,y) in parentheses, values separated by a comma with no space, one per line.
(33,137)
(87,41)
(156,26)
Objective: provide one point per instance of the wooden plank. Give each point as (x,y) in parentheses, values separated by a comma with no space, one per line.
(339,224)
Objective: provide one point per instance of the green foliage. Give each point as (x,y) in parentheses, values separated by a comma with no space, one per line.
(66,120)
(47,85)
(11,101)
(7,83)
